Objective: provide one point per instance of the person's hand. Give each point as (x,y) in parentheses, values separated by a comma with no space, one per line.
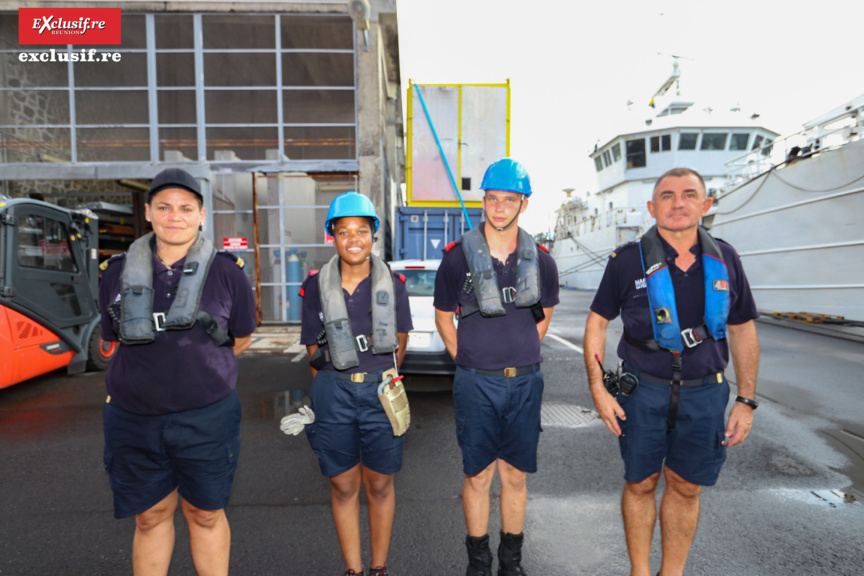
(293,424)
(609,410)
(740,421)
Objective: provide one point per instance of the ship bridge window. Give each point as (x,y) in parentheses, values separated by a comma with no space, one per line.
(714,141)
(636,153)
(598,163)
(616,152)
(757,142)
(661,143)
(739,141)
(607,159)
(687,141)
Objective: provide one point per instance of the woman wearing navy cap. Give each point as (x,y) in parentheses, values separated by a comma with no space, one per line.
(352,352)
(182,312)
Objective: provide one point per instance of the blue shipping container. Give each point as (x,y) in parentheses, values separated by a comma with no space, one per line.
(422,233)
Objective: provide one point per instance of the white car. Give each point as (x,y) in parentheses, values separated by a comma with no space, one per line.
(426,353)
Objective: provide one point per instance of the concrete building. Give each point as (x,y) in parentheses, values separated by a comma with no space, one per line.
(276,107)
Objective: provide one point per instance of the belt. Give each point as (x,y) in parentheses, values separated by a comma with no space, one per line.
(715,378)
(357,377)
(509,372)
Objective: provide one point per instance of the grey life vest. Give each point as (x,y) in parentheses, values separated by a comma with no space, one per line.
(138,323)
(343,343)
(484,280)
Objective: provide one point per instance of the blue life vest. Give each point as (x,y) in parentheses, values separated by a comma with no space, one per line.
(661,294)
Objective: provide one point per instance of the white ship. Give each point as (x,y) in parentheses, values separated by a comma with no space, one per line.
(795,213)
(681,133)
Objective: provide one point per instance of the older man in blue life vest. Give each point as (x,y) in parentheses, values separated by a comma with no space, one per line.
(685,304)
(503,287)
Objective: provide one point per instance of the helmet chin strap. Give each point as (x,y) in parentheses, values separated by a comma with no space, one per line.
(511,221)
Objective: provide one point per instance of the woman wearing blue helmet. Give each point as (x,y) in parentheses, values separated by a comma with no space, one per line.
(351,354)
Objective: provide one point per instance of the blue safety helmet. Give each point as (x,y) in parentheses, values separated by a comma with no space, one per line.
(508,175)
(350,204)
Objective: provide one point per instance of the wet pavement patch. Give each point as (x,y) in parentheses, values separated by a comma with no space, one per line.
(570,415)
(788,466)
(850,441)
(830,498)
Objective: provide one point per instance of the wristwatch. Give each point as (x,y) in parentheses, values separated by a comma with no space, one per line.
(748,401)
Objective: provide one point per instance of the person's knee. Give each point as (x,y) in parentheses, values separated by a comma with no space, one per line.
(345,486)
(157,515)
(512,478)
(379,487)
(644,488)
(481,482)
(681,487)
(196,517)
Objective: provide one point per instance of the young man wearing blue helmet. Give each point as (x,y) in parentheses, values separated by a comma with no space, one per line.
(352,354)
(503,288)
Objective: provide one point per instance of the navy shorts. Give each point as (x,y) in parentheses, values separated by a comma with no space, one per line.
(351,427)
(497,417)
(147,457)
(695,450)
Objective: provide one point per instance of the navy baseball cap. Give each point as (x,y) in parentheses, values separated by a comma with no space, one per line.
(174,178)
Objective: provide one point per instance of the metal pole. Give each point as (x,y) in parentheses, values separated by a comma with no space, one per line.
(257,250)
(425,220)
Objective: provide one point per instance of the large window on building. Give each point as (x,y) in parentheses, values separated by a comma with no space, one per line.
(215,87)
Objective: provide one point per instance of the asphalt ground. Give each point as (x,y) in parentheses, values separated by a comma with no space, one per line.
(784,503)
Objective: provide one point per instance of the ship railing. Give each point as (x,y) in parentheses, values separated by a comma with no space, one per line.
(838,130)
(629,216)
(624,216)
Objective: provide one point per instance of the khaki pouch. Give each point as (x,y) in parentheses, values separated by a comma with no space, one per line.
(394,400)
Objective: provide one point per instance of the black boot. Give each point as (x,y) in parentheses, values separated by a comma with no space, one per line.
(510,555)
(479,556)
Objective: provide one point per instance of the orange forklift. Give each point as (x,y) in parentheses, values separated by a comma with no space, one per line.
(49,289)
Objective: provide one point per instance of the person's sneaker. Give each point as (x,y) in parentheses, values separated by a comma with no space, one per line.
(379,571)
(352,573)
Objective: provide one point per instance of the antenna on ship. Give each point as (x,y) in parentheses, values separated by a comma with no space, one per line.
(674,78)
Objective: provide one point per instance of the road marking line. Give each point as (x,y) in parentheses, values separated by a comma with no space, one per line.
(298,357)
(565,342)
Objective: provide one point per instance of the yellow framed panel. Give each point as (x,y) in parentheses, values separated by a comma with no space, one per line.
(472,122)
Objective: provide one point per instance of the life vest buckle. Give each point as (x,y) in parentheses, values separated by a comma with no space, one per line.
(159,321)
(508,294)
(362,343)
(690,338)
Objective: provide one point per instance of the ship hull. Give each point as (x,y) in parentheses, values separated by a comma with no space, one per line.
(800,234)
(582,259)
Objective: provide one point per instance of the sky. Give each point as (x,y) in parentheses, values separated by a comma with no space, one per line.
(573,66)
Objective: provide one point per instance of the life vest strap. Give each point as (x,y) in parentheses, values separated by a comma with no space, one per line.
(691,337)
(473,306)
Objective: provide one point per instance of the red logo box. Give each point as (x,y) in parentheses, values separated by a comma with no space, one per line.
(68,26)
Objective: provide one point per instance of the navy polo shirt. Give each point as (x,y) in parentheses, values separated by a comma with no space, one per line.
(359,306)
(501,341)
(181,369)
(622,290)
